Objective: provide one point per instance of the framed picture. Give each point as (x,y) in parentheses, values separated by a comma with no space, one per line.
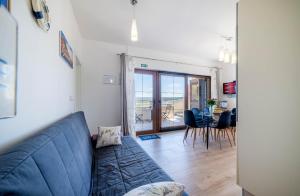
(5,3)
(66,51)
(8,64)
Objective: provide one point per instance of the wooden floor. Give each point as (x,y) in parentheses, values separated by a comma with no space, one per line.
(204,173)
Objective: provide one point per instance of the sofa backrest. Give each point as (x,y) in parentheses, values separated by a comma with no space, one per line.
(58,161)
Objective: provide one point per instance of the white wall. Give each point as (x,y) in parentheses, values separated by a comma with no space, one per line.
(227,74)
(269,126)
(45,81)
(101,102)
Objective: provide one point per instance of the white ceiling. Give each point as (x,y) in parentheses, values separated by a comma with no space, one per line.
(187,27)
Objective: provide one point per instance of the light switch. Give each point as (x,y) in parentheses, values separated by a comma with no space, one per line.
(109,79)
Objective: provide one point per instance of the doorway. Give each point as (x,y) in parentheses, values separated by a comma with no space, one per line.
(161,98)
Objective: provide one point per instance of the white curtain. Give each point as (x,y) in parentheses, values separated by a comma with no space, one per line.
(127,95)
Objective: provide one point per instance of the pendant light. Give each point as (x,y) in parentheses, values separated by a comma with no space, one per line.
(233,58)
(222,54)
(134,30)
(225,54)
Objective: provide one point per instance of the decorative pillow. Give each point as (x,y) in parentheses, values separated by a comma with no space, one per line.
(109,136)
(158,189)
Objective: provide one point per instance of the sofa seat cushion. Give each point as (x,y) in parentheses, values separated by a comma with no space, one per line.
(119,169)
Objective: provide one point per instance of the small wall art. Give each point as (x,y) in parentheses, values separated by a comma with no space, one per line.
(66,51)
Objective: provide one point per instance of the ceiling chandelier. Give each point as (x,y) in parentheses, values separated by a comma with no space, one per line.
(225,54)
(134,30)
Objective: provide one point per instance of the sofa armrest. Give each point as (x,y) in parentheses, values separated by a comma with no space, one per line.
(94,140)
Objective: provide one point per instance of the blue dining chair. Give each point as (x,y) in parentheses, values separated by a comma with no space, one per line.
(195,111)
(190,122)
(222,125)
(206,111)
(197,114)
(233,124)
(233,111)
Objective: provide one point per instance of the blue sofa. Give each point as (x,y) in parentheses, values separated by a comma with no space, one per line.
(61,160)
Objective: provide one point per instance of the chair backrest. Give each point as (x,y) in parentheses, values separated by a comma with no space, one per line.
(233,111)
(168,109)
(233,120)
(196,111)
(189,118)
(225,119)
(206,111)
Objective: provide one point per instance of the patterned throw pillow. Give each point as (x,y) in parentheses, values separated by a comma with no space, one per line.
(108,136)
(158,189)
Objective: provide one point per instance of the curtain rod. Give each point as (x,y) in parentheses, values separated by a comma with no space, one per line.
(169,61)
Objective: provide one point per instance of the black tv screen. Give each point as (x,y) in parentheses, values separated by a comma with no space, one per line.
(229,88)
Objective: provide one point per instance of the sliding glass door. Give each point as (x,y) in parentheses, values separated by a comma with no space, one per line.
(162,97)
(172,100)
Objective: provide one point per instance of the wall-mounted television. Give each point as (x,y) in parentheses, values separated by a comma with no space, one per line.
(229,88)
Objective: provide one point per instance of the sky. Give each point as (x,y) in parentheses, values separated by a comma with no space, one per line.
(171,86)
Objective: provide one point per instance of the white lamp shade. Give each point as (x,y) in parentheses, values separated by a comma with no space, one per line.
(134,31)
(227,57)
(233,58)
(221,55)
